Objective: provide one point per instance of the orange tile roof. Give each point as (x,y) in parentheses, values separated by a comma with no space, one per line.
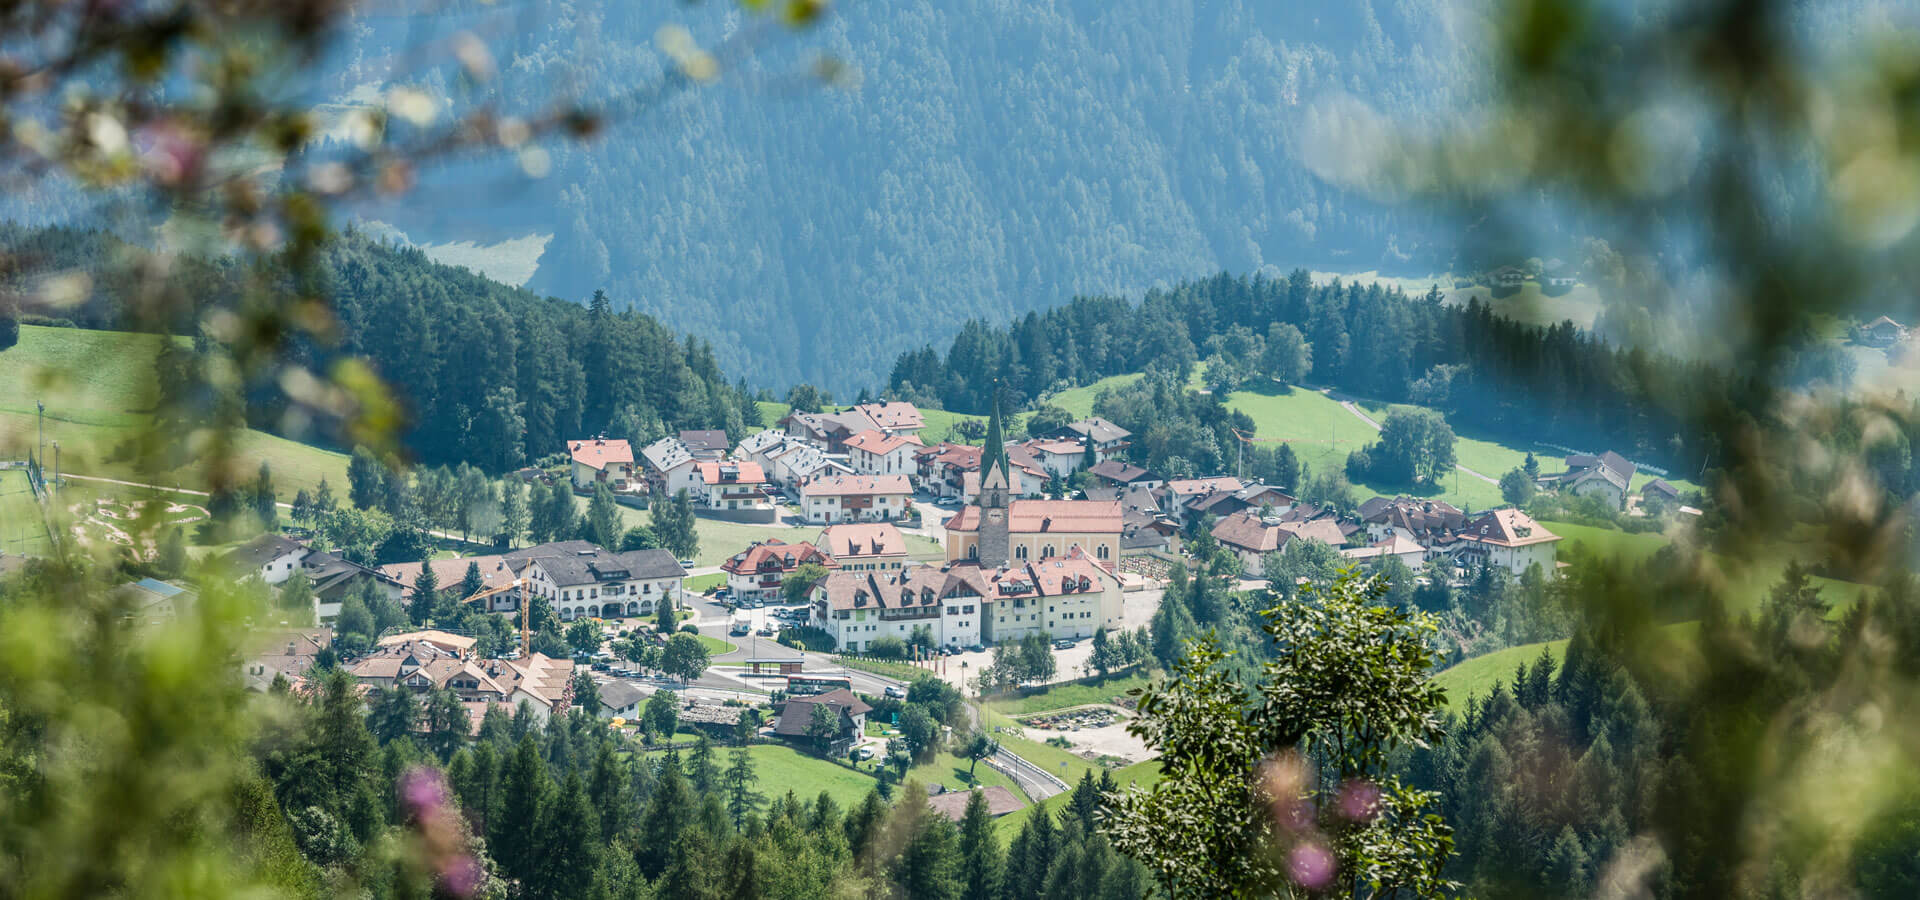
(879,443)
(600,453)
(863,539)
(1507,528)
(714,472)
(1035,516)
(848,485)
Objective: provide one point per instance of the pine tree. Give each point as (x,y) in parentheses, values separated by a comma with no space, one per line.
(569,844)
(928,867)
(426,591)
(980,860)
(742,871)
(702,771)
(266,505)
(738,782)
(603,517)
(524,792)
(693,872)
(562,515)
(366,479)
(513,511)
(171,558)
(323,501)
(669,811)
(611,792)
(302,511)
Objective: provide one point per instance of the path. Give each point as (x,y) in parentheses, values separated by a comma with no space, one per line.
(1354,408)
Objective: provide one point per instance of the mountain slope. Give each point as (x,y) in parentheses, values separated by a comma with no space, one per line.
(993,158)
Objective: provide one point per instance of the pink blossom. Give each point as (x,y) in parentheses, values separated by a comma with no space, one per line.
(463,875)
(1359,801)
(1310,866)
(423,790)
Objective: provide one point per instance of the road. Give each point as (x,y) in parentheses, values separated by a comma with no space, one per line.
(1355,409)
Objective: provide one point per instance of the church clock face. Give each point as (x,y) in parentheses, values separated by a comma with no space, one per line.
(995,515)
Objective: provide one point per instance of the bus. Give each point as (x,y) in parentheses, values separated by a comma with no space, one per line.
(812,683)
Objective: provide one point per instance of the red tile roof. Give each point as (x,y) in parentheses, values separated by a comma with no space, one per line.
(716,472)
(849,485)
(1034,516)
(1507,528)
(776,556)
(599,453)
(864,539)
(879,443)
(896,415)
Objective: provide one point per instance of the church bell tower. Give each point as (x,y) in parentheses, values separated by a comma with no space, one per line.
(994,542)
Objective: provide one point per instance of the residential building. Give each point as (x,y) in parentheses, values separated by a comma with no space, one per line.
(272,557)
(830,431)
(1060,457)
(334,577)
(1409,552)
(579,579)
(448,573)
(1255,497)
(865,547)
(1507,276)
(1175,493)
(602,461)
(1120,473)
(544,683)
(1432,523)
(705,445)
(944,468)
(830,499)
(737,486)
(1661,489)
(849,711)
(800,462)
(620,700)
(283,653)
(961,604)
(1884,332)
(1607,476)
(759,571)
(1510,539)
(883,453)
(1107,438)
(670,468)
(1252,537)
(894,417)
(1068,596)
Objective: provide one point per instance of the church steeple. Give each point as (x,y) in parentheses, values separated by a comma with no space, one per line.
(996,479)
(995,450)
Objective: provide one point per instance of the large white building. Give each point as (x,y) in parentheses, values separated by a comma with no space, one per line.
(880,453)
(580,579)
(1510,539)
(962,603)
(855,498)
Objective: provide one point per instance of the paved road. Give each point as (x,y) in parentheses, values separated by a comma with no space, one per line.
(1355,409)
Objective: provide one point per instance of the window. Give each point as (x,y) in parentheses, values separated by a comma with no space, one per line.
(1103,551)
(1020,552)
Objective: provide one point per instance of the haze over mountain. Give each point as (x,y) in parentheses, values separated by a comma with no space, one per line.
(992,158)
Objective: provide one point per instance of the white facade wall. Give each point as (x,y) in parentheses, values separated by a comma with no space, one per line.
(636,597)
(282,567)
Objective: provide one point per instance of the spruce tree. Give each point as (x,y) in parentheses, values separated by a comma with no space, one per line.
(738,781)
(513,511)
(426,591)
(323,502)
(569,844)
(603,518)
(669,811)
(980,860)
(524,791)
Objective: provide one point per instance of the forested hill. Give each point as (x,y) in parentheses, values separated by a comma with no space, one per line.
(993,158)
(487,374)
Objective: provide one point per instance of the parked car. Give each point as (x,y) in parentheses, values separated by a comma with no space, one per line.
(895,691)
(977,648)
(1063,644)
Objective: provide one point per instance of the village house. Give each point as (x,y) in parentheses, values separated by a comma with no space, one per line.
(620,699)
(1659,489)
(865,547)
(449,573)
(274,559)
(1107,438)
(579,579)
(760,571)
(710,444)
(288,654)
(735,491)
(894,417)
(800,463)
(1883,332)
(1409,552)
(964,603)
(1120,473)
(1251,537)
(1431,523)
(600,461)
(1175,494)
(1510,539)
(420,664)
(152,601)
(1606,476)
(1507,276)
(1256,497)
(271,557)
(670,468)
(1060,457)
(881,453)
(849,711)
(830,431)
(830,499)
(944,468)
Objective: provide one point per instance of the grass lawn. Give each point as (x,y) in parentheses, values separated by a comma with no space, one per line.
(98,387)
(885,667)
(951,771)
(1065,695)
(1477,676)
(781,768)
(1143,774)
(1079,401)
(715,645)
(700,583)
(23,531)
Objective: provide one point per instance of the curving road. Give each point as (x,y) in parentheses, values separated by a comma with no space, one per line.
(1355,409)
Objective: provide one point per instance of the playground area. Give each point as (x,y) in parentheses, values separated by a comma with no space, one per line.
(95,519)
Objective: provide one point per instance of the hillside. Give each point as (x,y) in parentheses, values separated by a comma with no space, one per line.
(98,389)
(984,159)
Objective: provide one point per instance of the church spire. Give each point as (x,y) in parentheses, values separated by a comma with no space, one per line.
(995,451)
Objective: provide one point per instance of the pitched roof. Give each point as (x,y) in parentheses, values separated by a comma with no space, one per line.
(1660,486)
(797,713)
(1036,516)
(897,414)
(1610,459)
(262,550)
(776,555)
(707,441)
(1101,430)
(1188,487)
(863,539)
(759,441)
(666,454)
(1508,528)
(880,443)
(1392,545)
(1246,531)
(1056,446)
(1883,320)
(582,562)
(600,452)
(848,485)
(442,639)
(1119,472)
(618,694)
(715,472)
(953,804)
(494,571)
(1422,517)
(965,457)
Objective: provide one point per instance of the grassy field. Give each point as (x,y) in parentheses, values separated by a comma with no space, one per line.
(1477,676)
(1079,401)
(1066,695)
(23,530)
(1143,774)
(780,767)
(700,583)
(1746,584)
(951,771)
(98,387)
(715,645)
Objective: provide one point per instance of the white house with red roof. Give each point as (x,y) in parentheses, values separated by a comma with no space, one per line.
(865,546)
(1510,539)
(733,486)
(1061,457)
(601,460)
(829,499)
(761,569)
(881,453)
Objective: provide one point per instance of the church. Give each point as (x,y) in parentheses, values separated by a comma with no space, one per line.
(997,530)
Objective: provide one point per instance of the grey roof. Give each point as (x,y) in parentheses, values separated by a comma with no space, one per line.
(710,441)
(1610,459)
(616,695)
(1660,486)
(666,454)
(261,550)
(761,440)
(570,563)
(1121,472)
(1101,430)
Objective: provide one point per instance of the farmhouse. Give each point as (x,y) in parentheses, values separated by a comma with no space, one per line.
(1606,476)
(849,712)
(1510,539)
(602,461)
